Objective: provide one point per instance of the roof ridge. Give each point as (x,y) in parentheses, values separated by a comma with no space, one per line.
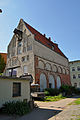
(42,38)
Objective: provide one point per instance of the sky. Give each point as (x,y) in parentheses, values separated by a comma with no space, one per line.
(58,19)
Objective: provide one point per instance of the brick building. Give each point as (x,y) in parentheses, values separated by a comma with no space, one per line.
(4,55)
(31,52)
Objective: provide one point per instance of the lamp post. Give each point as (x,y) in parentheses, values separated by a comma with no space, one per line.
(0,11)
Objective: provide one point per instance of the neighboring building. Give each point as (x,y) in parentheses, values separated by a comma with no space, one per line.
(4,55)
(75,73)
(14,89)
(31,52)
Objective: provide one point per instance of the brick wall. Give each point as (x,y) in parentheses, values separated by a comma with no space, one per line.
(65,78)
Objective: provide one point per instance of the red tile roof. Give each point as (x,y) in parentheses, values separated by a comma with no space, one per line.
(45,41)
(4,55)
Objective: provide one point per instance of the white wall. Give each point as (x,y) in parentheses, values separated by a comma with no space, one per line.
(6,90)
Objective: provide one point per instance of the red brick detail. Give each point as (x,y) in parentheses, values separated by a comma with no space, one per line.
(65,79)
(36,61)
(4,55)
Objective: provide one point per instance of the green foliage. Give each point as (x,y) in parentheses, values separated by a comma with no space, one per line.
(66,90)
(52,91)
(54,98)
(2,64)
(18,108)
(69,90)
(77,102)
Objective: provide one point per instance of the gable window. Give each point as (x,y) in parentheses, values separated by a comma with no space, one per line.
(29,47)
(74,77)
(16,89)
(25,69)
(19,51)
(78,68)
(27,57)
(19,43)
(24,59)
(52,47)
(73,68)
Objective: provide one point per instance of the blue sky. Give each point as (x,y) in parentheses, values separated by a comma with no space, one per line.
(58,19)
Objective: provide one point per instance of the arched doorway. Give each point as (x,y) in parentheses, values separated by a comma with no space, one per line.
(51,82)
(43,83)
(58,82)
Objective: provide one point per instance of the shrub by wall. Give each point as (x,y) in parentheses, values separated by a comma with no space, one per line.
(18,108)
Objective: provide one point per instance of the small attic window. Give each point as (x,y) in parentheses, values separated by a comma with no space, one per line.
(52,47)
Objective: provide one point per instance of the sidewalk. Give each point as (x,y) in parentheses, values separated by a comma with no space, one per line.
(59,110)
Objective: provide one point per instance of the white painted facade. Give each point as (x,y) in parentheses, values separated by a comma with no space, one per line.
(6,90)
(75,73)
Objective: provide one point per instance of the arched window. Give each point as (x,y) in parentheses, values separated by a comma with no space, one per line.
(54,68)
(48,66)
(59,69)
(58,82)
(41,64)
(43,83)
(67,72)
(51,81)
(64,71)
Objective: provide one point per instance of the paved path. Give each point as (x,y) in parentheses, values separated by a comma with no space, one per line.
(72,112)
(46,111)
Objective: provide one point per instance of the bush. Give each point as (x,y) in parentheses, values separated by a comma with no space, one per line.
(69,90)
(51,91)
(18,108)
(54,98)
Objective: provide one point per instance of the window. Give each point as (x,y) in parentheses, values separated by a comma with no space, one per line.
(23,59)
(27,57)
(24,49)
(52,47)
(29,48)
(78,68)
(16,89)
(74,77)
(19,43)
(19,51)
(73,68)
(75,84)
(25,69)
(78,75)
(50,85)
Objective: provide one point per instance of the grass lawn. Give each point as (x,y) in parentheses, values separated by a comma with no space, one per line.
(53,98)
(77,102)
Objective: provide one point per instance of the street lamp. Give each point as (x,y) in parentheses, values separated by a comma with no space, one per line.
(0,11)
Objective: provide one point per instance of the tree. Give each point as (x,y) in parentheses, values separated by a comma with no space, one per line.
(2,64)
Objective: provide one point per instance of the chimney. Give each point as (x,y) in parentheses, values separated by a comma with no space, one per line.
(44,35)
(50,38)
